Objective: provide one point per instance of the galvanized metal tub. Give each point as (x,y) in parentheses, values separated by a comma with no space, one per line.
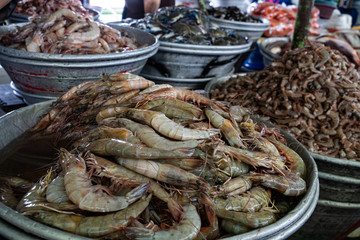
(51,75)
(329,220)
(339,179)
(21,18)
(20,120)
(187,61)
(268,43)
(252,30)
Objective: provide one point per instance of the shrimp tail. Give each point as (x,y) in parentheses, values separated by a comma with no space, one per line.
(139,233)
(175,209)
(138,192)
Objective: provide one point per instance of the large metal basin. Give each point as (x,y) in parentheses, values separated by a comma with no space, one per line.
(50,75)
(252,30)
(20,120)
(186,61)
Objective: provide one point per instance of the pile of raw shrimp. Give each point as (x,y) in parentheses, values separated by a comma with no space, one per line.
(139,160)
(65,32)
(312,92)
(47,7)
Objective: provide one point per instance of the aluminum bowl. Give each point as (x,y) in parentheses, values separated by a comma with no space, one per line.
(198,62)
(252,30)
(266,45)
(17,122)
(51,75)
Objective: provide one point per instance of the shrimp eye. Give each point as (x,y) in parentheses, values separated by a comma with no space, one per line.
(218,187)
(225,196)
(198,182)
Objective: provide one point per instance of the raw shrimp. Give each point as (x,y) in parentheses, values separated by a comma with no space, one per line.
(127,85)
(250,219)
(75,26)
(119,99)
(287,183)
(197,112)
(59,14)
(91,197)
(55,192)
(175,113)
(185,163)
(121,76)
(151,138)
(34,200)
(226,127)
(107,132)
(167,127)
(296,163)
(233,168)
(233,187)
(35,43)
(187,95)
(255,159)
(111,112)
(92,34)
(163,172)
(233,227)
(93,226)
(251,201)
(155,88)
(110,169)
(115,147)
(188,228)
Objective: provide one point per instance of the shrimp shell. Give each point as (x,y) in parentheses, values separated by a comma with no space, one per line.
(188,228)
(169,128)
(163,172)
(150,137)
(87,196)
(115,147)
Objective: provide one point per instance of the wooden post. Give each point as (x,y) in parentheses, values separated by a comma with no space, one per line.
(302,23)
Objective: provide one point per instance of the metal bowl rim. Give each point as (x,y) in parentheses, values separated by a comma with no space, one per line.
(259,26)
(265,42)
(203,47)
(336,161)
(79,64)
(15,53)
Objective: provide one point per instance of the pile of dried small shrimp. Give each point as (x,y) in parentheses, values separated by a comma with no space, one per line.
(47,7)
(312,92)
(145,160)
(65,32)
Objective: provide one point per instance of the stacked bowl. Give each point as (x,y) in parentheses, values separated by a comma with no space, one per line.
(192,49)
